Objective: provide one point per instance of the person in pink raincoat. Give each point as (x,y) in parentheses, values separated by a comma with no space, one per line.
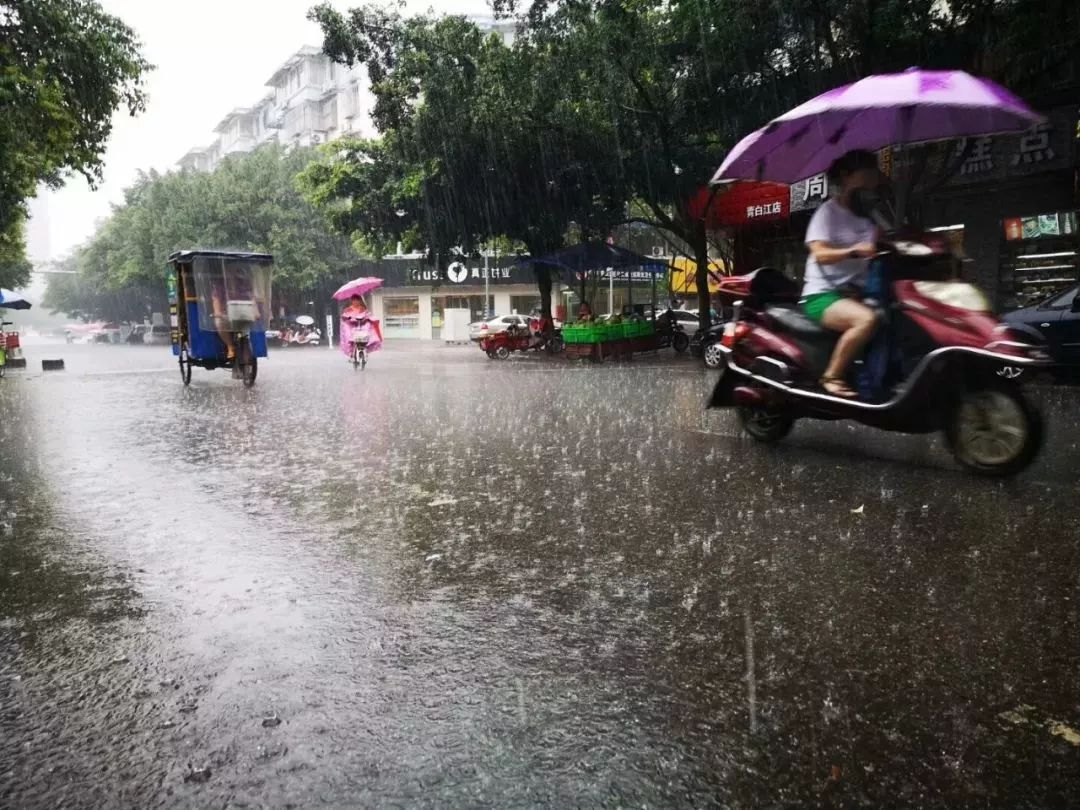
(356,320)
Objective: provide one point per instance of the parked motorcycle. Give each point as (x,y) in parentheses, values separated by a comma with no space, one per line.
(933,364)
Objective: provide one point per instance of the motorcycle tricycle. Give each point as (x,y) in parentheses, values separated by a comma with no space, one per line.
(500,345)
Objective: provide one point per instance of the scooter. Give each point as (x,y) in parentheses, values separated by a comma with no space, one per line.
(933,364)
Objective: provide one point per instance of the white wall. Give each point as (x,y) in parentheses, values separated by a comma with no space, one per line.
(425,315)
(501,302)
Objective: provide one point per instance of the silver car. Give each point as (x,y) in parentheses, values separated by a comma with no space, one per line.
(500,323)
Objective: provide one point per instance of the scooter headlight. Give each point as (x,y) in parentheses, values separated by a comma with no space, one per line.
(954,294)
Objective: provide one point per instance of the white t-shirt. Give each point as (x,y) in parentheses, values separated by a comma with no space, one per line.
(837,225)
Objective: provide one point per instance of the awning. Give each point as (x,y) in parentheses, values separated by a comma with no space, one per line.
(598,256)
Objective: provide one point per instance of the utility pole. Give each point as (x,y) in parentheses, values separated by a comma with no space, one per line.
(487,276)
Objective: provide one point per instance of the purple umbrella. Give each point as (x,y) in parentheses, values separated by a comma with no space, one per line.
(358,286)
(915,106)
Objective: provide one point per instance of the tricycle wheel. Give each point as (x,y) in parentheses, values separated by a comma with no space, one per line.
(185,366)
(765,425)
(502,353)
(994,430)
(249,364)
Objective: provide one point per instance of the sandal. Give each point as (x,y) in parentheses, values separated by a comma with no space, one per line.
(837,387)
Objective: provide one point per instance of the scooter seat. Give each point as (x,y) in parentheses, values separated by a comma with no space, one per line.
(791,320)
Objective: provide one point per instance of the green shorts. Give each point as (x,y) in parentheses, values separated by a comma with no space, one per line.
(814,306)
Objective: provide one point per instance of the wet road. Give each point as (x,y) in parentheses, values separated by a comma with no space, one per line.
(447,582)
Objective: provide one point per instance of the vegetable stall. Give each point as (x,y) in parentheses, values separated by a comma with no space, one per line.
(617,335)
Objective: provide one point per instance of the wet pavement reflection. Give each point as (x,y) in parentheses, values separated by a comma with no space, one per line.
(448,582)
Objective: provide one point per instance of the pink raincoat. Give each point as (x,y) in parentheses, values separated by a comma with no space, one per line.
(365,327)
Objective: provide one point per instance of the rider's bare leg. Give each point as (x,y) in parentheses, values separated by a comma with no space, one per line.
(856,322)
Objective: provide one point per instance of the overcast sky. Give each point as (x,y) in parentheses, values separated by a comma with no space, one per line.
(211,56)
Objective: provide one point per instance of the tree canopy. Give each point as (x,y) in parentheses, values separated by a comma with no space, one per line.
(65,67)
(250,202)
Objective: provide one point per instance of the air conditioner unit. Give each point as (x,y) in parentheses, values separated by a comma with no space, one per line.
(657,250)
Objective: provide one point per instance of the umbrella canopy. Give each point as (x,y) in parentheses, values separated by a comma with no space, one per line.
(915,106)
(13,300)
(598,256)
(358,286)
(305,320)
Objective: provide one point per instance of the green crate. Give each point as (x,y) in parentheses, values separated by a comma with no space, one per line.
(588,334)
(573,334)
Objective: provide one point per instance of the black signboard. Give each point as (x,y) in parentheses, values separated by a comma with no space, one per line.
(456,273)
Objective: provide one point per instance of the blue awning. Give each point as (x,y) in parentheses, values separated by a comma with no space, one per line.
(598,256)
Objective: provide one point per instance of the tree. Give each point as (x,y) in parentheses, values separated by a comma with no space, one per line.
(250,202)
(65,67)
(14,266)
(479,141)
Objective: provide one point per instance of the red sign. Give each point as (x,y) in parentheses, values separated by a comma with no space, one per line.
(746,203)
(742,203)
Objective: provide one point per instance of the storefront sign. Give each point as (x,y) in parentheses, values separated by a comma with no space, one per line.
(460,273)
(748,203)
(1045,147)
(619,275)
(809,193)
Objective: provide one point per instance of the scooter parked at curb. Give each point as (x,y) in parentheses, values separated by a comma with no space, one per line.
(934,364)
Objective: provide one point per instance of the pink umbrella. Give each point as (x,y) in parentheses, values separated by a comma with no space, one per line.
(358,286)
(896,108)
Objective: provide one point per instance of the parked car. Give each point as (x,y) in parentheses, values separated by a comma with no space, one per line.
(500,323)
(1057,321)
(706,345)
(159,335)
(686,318)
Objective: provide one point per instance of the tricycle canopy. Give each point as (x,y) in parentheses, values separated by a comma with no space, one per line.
(232,288)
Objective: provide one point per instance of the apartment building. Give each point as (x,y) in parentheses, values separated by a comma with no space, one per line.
(311,100)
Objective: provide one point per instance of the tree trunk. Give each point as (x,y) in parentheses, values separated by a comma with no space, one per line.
(543,282)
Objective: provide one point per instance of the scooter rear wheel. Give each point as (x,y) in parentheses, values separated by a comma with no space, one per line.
(764,424)
(994,430)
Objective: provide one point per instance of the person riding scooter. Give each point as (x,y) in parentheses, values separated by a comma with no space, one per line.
(841,240)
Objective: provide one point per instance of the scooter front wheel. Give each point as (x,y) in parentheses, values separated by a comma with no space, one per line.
(764,424)
(995,431)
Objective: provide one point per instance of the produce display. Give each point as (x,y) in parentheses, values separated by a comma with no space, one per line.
(606,330)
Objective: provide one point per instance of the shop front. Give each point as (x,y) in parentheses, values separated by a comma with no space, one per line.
(415,295)
(1010,206)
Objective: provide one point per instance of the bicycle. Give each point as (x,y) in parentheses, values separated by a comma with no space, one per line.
(359,354)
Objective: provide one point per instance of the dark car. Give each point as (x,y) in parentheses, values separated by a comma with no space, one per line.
(1057,321)
(705,342)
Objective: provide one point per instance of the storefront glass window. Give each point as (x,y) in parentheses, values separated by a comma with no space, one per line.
(401,316)
(1040,256)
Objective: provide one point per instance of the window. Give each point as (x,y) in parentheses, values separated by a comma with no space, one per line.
(1063,301)
(401,316)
